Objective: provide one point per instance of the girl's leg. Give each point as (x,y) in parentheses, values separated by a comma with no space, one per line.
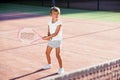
(48,51)
(59,57)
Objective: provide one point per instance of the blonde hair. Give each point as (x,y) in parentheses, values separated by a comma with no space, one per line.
(56,9)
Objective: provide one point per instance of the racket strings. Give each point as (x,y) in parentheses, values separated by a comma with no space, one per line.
(27,36)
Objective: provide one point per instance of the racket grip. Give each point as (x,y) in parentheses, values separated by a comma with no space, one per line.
(40,37)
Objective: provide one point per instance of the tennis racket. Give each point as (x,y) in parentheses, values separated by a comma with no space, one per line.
(28,35)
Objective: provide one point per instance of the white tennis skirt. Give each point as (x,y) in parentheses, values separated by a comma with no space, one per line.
(54,44)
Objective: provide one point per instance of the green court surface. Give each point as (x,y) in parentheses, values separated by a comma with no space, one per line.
(70,13)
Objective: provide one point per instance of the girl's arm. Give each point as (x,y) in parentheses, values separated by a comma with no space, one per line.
(48,34)
(48,30)
(54,34)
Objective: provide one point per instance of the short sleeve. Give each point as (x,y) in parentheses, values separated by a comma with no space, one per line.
(59,22)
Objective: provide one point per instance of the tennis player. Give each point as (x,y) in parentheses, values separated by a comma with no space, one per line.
(54,38)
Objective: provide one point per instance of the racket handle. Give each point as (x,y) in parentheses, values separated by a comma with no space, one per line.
(40,37)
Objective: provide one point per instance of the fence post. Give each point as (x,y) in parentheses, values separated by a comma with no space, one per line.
(68,4)
(98,5)
(42,2)
(53,2)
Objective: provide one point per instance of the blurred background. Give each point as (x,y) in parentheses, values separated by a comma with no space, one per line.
(110,5)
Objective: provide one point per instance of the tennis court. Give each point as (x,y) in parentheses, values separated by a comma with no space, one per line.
(89,38)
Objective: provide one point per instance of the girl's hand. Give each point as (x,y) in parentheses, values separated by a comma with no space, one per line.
(46,38)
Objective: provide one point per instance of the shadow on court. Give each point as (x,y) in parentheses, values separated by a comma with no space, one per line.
(27,74)
(18,15)
(47,76)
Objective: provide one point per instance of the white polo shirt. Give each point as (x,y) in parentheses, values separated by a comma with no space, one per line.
(53,27)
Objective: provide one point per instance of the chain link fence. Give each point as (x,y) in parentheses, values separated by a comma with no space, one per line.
(111,5)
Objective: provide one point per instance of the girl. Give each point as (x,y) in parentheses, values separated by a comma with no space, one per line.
(54,37)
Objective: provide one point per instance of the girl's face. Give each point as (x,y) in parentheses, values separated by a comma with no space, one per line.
(55,15)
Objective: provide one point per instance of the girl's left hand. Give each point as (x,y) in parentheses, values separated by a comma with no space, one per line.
(46,38)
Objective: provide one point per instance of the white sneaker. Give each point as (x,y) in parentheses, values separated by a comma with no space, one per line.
(48,66)
(61,70)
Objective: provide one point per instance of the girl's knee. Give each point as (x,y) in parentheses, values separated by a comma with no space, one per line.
(57,55)
(47,53)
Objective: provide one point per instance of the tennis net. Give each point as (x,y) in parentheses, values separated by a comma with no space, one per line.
(106,71)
